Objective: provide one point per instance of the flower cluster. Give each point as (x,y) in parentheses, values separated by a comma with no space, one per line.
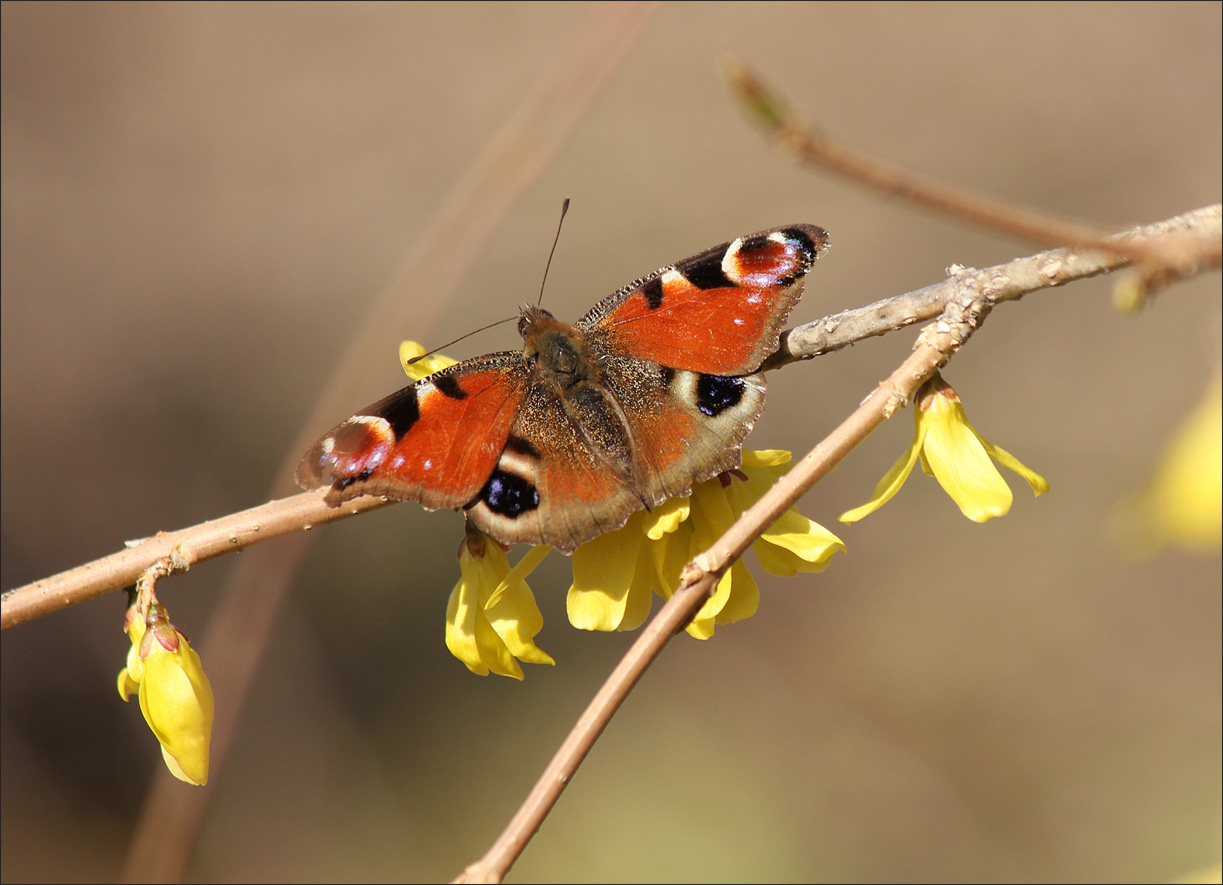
(492,618)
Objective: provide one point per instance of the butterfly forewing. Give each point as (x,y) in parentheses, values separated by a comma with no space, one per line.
(435,441)
(718,312)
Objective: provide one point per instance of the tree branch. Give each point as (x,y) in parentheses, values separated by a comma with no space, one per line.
(1202,228)
(789,129)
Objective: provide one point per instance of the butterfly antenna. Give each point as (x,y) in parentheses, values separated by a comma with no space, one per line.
(555,240)
(462,337)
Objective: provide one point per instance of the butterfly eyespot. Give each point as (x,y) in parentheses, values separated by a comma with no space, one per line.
(509,495)
(715,394)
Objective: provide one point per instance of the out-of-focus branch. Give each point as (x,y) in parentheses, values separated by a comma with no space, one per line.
(1164,260)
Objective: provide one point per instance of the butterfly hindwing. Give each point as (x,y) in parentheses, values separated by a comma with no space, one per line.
(686,426)
(552,485)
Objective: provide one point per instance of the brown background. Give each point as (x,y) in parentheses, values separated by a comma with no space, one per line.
(199,204)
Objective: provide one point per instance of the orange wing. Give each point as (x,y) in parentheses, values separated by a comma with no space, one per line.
(435,441)
(718,312)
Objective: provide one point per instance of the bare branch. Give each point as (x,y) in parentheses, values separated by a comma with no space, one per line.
(1198,232)
(787,126)
(230,534)
(180,549)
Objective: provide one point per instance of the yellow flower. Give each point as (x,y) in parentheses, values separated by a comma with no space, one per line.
(1183,504)
(613,574)
(409,357)
(175,696)
(492,618)
(956,455)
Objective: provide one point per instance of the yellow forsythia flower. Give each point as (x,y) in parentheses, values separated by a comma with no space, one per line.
(492,618)
(409,357)
(175,696)
(1183,504)
(956,455)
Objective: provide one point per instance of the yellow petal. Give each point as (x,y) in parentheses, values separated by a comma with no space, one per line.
(891,482)
(520,572)
(954,455)
(1186,496)
(1038,483)
(1183,503)
(796,544)
(409,353)
(127,685)
(492,638)
(611,580)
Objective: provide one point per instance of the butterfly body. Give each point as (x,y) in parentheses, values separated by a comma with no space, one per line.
(653,390)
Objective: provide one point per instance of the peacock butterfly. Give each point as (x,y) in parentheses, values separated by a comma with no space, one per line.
(653,390)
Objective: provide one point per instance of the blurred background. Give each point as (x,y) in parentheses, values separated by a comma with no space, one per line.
(202,202)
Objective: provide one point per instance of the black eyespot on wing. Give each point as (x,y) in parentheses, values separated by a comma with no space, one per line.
(666,375)
(715,394)
(402,412)
(509,495)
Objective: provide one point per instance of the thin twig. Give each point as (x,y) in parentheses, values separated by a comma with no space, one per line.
(180,549)
(787,126)
(671,618)
(1201,231)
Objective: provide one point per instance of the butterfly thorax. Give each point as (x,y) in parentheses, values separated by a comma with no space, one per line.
(557,350)
(562,360)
